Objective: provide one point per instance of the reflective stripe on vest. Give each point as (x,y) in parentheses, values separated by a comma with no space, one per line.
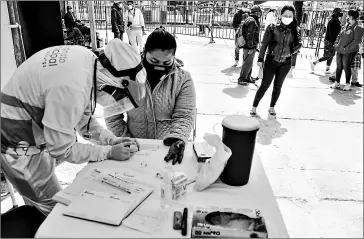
(36,113)
(20,122)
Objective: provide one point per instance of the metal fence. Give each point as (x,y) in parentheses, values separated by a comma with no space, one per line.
(204,21)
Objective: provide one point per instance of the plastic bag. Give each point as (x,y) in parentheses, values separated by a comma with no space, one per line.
(211,170)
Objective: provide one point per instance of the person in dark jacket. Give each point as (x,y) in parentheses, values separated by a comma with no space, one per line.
(251,29)
(332,31)
(282,40)
(70,22)
(117,21)
(239,16)
(347,47)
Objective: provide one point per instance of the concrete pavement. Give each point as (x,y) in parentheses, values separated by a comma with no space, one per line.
(312,152)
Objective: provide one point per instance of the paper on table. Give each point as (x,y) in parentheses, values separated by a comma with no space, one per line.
(149,218)
(86,181)
(100,207)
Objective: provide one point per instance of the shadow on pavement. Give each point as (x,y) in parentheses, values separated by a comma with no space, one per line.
(236,92)
(231,70)
(325,80)
(270,129)
(346,98)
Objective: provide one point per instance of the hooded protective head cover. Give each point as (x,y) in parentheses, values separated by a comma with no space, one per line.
(121,80)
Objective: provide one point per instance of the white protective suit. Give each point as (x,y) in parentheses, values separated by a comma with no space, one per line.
(269,19)
(46,100)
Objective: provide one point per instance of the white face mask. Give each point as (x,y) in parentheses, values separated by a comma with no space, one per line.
(287,20)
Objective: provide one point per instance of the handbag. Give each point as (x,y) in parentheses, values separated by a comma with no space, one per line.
(239,39)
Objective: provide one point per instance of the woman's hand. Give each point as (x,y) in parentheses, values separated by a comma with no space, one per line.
(260,64)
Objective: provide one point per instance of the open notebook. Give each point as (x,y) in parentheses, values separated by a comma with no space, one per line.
(107,198)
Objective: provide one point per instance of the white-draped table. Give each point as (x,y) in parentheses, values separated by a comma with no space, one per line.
(257,194)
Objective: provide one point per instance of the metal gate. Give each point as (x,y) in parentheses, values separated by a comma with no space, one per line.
(204,20)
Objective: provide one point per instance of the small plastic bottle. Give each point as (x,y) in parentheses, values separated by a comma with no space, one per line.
(166,190)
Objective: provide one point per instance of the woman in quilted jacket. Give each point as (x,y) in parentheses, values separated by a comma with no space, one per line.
(347,47)
(169,108)
(281,41)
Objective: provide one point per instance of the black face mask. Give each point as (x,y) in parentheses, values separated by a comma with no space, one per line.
(155,72)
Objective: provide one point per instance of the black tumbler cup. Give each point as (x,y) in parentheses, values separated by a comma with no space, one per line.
(239,134)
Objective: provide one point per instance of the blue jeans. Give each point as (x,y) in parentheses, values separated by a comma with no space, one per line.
(246,68)
(279,71)
(237,51)
(343,62)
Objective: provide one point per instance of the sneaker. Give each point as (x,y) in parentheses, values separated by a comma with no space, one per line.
(236,63)
(272,112)
(336,85)
(312,65)
(332,79)
(346,87)
(357,84)
(240,82)
(253,113)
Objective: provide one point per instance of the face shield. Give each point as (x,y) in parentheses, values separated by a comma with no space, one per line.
(117,99)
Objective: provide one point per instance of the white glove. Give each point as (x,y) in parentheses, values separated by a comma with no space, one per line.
(119,140)
(121,152)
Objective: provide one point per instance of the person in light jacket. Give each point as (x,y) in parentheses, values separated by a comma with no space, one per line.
(270,18)
(347,47)
(57,92)
(134,25)
(169,109)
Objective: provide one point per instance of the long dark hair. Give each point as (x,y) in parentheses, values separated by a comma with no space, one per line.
(294,24)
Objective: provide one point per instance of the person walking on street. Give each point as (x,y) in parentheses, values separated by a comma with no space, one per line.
(270,18)
(239,17)
(282,41)
(332,31)
(347,47)
(135,27)
(117,20)
(251,29)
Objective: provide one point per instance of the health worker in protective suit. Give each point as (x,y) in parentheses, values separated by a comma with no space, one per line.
(53,94)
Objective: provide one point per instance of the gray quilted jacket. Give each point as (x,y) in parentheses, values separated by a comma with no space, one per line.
(167,112)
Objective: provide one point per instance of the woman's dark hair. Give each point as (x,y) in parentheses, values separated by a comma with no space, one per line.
(160,39)
(336,13)
(289,8)
(293,25)
(354,13)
